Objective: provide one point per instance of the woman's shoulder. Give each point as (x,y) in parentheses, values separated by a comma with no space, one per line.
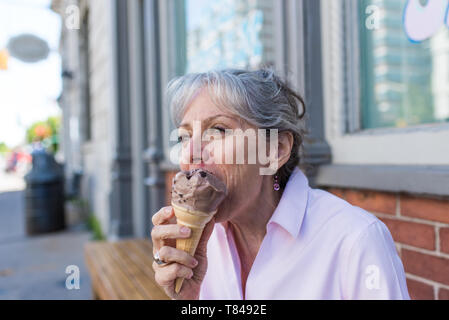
(324,209)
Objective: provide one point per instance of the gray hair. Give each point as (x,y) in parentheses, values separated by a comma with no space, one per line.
(260,97)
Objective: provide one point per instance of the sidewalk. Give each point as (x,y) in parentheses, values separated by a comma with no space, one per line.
(34,267)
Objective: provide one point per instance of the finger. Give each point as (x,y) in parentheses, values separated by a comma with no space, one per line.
(163,215)
(170,231)
(170,254)
(159,233)
(165,276)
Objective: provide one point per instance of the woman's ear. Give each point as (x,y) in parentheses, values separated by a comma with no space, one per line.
(285,145)
(284,148)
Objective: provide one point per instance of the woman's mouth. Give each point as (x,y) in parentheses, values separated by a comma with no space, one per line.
(203,166)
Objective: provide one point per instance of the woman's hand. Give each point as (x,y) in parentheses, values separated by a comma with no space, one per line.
(179,263)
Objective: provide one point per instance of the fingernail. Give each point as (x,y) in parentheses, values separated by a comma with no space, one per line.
(190,276)
(194,263)
(185,230)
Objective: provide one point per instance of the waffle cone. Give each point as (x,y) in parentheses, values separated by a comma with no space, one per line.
(196,221)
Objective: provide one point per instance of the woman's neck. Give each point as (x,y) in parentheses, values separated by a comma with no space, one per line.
(249,228)
(250,223)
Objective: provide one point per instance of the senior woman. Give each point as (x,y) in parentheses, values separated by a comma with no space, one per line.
(273,237)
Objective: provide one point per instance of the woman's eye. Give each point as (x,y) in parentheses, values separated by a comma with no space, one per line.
(182,138)
(219,129)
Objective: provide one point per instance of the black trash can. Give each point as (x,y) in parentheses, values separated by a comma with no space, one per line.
(44,195)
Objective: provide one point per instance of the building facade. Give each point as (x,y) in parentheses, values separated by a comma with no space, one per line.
(377,106)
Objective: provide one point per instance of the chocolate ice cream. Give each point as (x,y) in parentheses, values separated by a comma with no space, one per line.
(198,190)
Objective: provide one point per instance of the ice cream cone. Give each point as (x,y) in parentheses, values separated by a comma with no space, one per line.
(196,221)
(196,195)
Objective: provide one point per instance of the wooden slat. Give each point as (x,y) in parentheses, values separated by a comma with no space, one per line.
(137,276)
(130,270)
(123,289)
(144,263)
(103,286)
(128,289)
(122,270)
(105,274)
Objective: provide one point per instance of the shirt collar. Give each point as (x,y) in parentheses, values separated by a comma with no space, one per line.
(291,209)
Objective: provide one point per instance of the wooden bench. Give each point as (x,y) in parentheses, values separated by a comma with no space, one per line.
(122,270)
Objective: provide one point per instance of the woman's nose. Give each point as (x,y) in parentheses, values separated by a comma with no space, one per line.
(196,147)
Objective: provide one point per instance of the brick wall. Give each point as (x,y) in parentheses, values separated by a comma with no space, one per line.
(420,228)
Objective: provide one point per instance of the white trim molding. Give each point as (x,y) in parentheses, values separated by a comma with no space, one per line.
(422,180)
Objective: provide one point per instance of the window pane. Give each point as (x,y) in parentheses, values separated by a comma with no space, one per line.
(404,83)
(228,33)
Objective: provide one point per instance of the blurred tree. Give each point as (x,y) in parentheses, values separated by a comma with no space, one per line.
(3,148)
(47,132)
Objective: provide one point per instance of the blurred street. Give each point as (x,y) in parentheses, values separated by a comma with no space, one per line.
(34,267)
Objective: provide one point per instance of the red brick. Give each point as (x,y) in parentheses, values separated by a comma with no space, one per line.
(373,201)
(444,240)
(426,266)
(419,291)
(414,234)
(443,294)
(168,182)
(338,192)
(429,209)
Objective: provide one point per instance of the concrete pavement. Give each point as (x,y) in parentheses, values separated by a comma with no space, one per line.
(34,267)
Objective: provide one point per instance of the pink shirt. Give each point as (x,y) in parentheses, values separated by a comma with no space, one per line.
(317,246)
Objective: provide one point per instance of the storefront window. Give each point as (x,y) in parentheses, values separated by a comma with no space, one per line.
(404,67)
(228,33)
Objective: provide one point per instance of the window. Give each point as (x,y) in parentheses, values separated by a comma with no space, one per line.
(385,98)
(404,83)
(200,35)
(230,33)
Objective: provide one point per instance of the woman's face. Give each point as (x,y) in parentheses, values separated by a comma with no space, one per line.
(217,152)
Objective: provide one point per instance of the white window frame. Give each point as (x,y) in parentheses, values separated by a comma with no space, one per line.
(422,145)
